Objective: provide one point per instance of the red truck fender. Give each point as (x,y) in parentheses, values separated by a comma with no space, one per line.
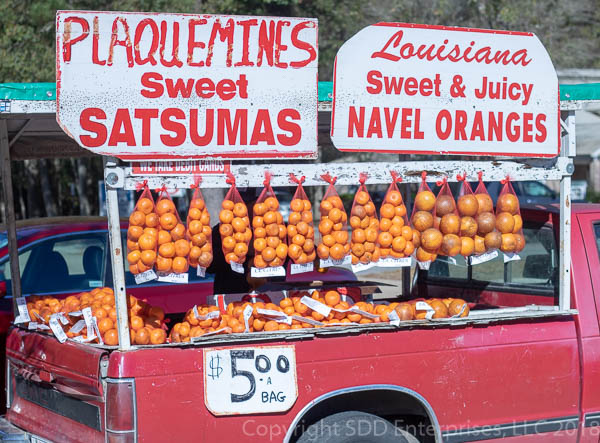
(324,405)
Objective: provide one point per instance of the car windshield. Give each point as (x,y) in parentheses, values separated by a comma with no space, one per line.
(536,189)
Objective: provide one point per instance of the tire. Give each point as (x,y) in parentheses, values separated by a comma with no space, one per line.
(354,427)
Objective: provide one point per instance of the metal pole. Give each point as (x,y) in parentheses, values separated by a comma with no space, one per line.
(567,150)
(11,228)
(117,251)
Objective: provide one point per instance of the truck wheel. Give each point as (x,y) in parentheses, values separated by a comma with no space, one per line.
(354,427)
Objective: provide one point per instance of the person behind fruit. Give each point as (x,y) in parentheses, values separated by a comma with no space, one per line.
(227,281)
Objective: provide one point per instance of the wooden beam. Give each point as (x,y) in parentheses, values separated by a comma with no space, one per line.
(11,229)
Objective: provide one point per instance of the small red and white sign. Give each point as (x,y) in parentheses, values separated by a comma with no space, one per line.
(176,167)
(145,86)
(404,88)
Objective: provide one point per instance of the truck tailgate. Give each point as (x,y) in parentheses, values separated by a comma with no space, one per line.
(55,389)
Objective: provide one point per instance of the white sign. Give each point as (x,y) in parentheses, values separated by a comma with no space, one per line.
(250,380)
(181,86)
(404,88)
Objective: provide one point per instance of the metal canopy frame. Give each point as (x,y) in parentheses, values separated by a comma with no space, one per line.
(117,176)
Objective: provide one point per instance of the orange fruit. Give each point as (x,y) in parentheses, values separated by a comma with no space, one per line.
(168,221)
(451,245)
(167,250)
(332,298)
(240,210)
(225,216)
(271,325)
(509,241)
(450,224)
(422,220)
(394,197)
(493,240)
(111,337)
(133,257)
(425,201)
(194,213)
(468,205)
(137,218)
(323,251)
(178,232)
(358,236)
(272,203)
(484,203)
(134,232)
(505,222)
(105,324)
(340,237)
(225,229)
(145,205)
(142,336)
(281,251)
(240,249)
(294,251)
(165,206)
(182,248)
(163,264)
(179,265)
(398,244)
(228,243)
(268,254)
(508,203)
(337,251)
(148,257)
(387,211)
(467,246)
(362,197)
(479,244)
(158,336)
(164,237)
(518,223)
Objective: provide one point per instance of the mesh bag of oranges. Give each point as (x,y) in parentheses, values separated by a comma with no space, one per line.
(142,235)
(508,219)
(447,220)
(467,206)
(234,227)
(173,247)
(199,232)
(270,233)
(396,238)
(300,229)
(334,246)
(365,227)
(487,238)
(429,239)
(146,323)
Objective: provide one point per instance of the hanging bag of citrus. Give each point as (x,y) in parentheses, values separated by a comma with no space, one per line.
(488,238)
(270,245)
(429,238)
(446,219)
(396,238)
(508,219)
(365,228)
(199,233)
(301,230)
(334,246)
(234,227)
(467,206)
(142,236)
(173,248)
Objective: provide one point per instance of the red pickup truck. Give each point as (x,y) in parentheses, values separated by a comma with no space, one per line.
(476,378)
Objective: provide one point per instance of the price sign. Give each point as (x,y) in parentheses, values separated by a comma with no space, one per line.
(250,380)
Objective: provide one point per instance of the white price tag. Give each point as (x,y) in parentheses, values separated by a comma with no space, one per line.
(423,306)
(331,262)
(391,262)
(247,314)
(174,278)
(482,258)
(310,321)
(361,312)
(77,327)
(424,265)
(145,277)
(275,271)
(511,256)
(23,312)
(394,318)
(63,318)
(429,315)
(237,267)
(362,267)
(279,317)
(57,330)
(201,272)
(32,326)
(250,380)
(301,269)
(316,305)
(451,260)
(89,321)
(97,331)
